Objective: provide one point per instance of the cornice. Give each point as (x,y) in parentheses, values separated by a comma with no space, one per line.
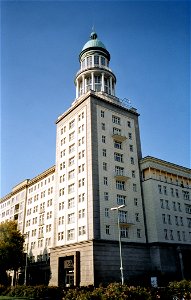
(167,164)
(99,96)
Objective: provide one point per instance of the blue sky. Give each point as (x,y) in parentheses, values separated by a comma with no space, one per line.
(40,43)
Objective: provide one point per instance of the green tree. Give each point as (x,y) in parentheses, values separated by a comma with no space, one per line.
(11,248)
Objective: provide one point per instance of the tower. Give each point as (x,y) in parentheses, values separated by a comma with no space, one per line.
(97,153)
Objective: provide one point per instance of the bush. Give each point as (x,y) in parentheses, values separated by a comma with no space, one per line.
(36,292)
(180,289)
(2,289)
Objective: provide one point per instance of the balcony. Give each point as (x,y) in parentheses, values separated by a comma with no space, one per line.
(121,175)
(118,137)
(125,223)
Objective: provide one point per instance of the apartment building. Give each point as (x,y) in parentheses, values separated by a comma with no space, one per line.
(70,212)
(167,202)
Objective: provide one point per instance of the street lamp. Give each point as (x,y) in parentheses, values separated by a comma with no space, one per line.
(120,253)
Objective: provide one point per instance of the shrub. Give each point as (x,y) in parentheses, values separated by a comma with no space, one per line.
(180,289)
(2,289)
(36,292)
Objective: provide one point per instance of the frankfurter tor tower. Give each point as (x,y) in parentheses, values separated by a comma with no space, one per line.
(97,154)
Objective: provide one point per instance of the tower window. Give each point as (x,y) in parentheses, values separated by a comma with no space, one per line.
(103,61)
(96,59)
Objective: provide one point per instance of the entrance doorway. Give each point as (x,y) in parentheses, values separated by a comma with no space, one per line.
(66,271)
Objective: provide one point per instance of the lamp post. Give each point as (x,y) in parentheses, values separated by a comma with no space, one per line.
(26,235)
(120,252)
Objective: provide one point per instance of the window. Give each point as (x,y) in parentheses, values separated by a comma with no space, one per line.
(177,193)
(167,204)
(61,205)
(161,203)
(183,236)
(71,124)
(124,232)
(120,199)
(105,181)
(71,218)
(188,208)
(103,126)
(181,221)
(118,157)
(103,62)
(107,229)
(71,161)
(102,114)
(71,136)
(130,135)
(133,174)
(169,219)
(176,220)
(106,212)
(174,205)
(165,190)
(137,217)
(106,196)
(103,139)
(160,189)
(189,222)
(165,234)
(129,124)
(104,152)
(139,233)
(81,213)
(116,120)
(71,174)
(104,166)
(132,161)
(81,197)
(61,192)
(116,131)
(119,171)
(71,148)
(122,216)
(70,234)
(71,188)
(81,230)
(71,203)
(131,148)
(62,153)
(96,59)
(164,218)
(117,145)
(134,187)
(172,192)
(62,178)
(178,236)
(135,201)
(186,195)
(49,215)
(171,235)
(179,206)
(61,220)
(60,236)
(120,185)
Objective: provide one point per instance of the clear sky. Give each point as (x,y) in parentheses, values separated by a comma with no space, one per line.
(40,43)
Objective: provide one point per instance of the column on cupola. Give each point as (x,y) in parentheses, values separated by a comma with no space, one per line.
(83,83)
(77,88)
(92,77)
(102,82)
(110,83)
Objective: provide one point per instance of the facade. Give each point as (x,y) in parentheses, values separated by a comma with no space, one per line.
(66,213)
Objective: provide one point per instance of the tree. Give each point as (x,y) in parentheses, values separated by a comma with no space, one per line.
(11,248)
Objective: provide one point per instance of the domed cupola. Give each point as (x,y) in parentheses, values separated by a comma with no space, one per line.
(94,73)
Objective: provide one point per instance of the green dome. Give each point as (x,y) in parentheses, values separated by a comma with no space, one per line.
(93,42)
